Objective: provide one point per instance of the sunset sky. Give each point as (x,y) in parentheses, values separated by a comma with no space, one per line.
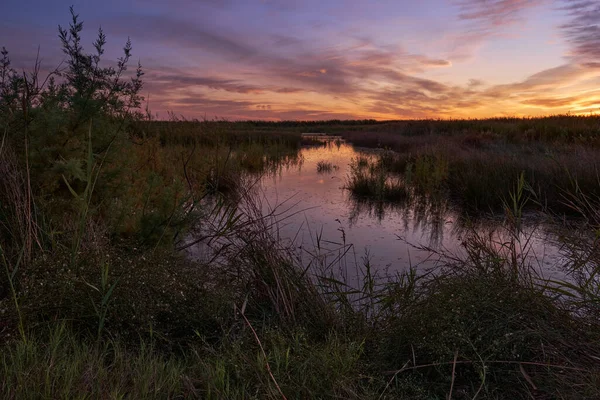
(325,59)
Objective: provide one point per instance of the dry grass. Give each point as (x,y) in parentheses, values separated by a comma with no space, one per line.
(19,230)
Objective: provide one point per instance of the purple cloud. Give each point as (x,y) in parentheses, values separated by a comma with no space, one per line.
(494,13)
(582,32)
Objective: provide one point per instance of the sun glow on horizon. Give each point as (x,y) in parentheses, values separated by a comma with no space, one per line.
(277,60)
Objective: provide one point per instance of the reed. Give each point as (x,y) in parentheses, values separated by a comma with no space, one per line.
(372,181)
(325,167)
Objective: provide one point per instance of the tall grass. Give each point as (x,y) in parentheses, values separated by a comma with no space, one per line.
(477,180)
(60,365)
(372,181)
(19,228)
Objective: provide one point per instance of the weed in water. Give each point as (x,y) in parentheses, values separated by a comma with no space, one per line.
(325,167)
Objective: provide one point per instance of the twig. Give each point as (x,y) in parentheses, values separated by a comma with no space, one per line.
(453,375)
(488,362)
(527,377)
(264,355)
(484,367)
(392,379)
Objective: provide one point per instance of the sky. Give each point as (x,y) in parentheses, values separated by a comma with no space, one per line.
(336,59)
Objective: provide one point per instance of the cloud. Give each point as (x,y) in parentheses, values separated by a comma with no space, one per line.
(330,69)
(484,19)
(543,81)
(582,32)
(228,85)
(266,76)
(590,104)
(245,70)
(289,90)
(194,105)
(494,13)
(419,98)
(285,40)
(174,84)
(179,32)
(369,80)
(551,102)
(211,104)
(474,83)
(436,63)
(187,4)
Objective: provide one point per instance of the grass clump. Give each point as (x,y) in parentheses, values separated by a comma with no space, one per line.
(485,335)
(371,181)
(325,167)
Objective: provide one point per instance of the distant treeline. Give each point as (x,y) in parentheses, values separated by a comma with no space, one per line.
(551,119)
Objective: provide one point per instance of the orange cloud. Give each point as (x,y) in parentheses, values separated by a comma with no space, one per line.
(364,78)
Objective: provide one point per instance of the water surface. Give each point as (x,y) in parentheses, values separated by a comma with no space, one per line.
(323,216)
(322,221)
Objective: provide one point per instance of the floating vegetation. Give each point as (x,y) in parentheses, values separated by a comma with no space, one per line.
(325,166)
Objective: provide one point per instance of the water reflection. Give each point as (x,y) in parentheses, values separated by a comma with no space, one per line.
(322,224)
(421,214)
(395,237)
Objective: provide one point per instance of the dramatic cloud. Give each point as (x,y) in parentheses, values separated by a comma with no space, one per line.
(484,19)
(583,30)
(283,59)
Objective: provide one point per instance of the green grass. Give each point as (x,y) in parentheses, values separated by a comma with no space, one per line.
(60,365)
(482,325)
